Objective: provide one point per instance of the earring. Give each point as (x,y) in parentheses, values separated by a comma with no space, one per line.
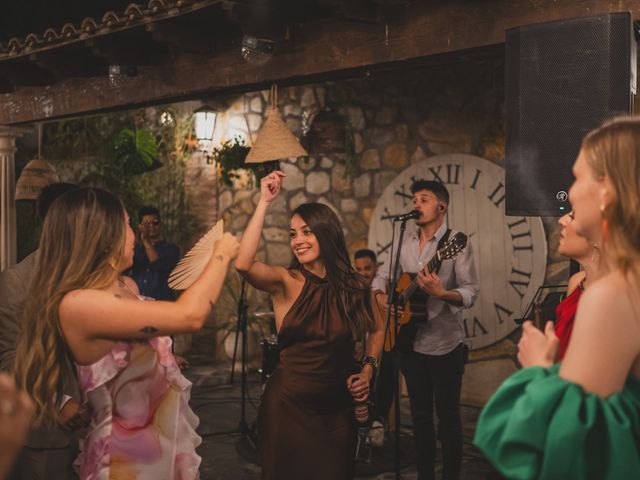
(113,263)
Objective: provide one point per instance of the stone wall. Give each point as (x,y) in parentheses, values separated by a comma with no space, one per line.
(394,119)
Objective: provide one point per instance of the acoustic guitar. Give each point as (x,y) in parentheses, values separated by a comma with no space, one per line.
(414,300)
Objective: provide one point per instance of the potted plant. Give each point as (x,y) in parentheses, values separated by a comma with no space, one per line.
(232,171)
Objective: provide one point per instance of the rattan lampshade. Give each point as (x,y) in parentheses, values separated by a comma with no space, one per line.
(36,175)
(275,141)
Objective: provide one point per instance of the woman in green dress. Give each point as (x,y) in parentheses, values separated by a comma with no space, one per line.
(581,418)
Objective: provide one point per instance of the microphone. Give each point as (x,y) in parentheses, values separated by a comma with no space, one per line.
(404,217)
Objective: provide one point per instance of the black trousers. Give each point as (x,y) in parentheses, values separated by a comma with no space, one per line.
(439,378)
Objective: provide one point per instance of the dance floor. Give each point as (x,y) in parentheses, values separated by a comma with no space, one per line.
(226,455)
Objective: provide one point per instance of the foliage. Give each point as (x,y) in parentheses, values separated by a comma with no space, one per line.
(116,151)
(230,158)
(135,150)
(165,187)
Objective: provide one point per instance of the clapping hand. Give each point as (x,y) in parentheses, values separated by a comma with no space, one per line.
(537,348)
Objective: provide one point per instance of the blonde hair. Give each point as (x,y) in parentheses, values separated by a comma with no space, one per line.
(613,152)
(81,246)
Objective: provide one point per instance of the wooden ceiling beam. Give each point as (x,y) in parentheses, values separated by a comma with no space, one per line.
(130,47)
(22,72)
(313,50)
(74,61)
(200,34)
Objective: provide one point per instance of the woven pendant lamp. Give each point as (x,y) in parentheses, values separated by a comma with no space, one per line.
(36,175)
(275,140)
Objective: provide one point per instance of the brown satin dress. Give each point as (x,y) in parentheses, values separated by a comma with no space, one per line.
(306,426)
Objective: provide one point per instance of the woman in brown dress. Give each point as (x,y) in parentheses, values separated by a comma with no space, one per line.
(306,425)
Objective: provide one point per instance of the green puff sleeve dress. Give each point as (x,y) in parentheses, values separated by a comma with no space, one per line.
(540,426)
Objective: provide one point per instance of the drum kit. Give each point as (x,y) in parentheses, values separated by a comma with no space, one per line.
(270,356)
(270,350)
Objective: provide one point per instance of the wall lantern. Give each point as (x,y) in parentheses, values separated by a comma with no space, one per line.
(205,124)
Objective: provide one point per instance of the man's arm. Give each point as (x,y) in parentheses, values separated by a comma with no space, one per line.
(466,277)
(12,291)
(464,294)
(381,280)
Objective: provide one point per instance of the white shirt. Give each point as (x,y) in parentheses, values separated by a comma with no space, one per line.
(443,331)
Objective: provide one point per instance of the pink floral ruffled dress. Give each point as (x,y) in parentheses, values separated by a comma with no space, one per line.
(142,426)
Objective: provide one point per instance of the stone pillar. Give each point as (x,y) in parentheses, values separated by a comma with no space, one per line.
(8,137)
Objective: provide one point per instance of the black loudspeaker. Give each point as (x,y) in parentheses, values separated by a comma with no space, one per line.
(563,79)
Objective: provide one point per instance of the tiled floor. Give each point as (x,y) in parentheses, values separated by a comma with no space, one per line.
(218,404)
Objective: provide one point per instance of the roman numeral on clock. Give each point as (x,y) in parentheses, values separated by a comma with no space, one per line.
(380,249)
(520,235)
(404,194)
(452,171)
(521,281)
(497,196)
(475,324)
(502,311)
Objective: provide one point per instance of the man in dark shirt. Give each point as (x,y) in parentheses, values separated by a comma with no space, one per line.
(154,257)
(49,450)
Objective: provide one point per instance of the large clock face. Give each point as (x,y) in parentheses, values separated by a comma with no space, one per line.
(510,252)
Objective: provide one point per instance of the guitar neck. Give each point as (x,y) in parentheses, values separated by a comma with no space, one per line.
(434,263)
(432,266)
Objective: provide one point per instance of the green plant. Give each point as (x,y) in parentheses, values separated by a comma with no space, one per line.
(230,158)
(115,152)
(135,150)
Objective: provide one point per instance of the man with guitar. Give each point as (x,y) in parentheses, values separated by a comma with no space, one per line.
(432,354)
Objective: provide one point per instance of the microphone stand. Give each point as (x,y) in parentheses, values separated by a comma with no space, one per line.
(241,331)
(392,304)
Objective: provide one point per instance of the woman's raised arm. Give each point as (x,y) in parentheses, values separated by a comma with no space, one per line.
(89,314)
(262,276)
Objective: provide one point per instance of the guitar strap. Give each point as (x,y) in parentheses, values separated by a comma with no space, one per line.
(407,333)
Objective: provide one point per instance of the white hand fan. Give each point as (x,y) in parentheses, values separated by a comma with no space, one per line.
(193,263)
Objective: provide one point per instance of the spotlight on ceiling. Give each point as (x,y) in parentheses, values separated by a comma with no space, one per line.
(257,51)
